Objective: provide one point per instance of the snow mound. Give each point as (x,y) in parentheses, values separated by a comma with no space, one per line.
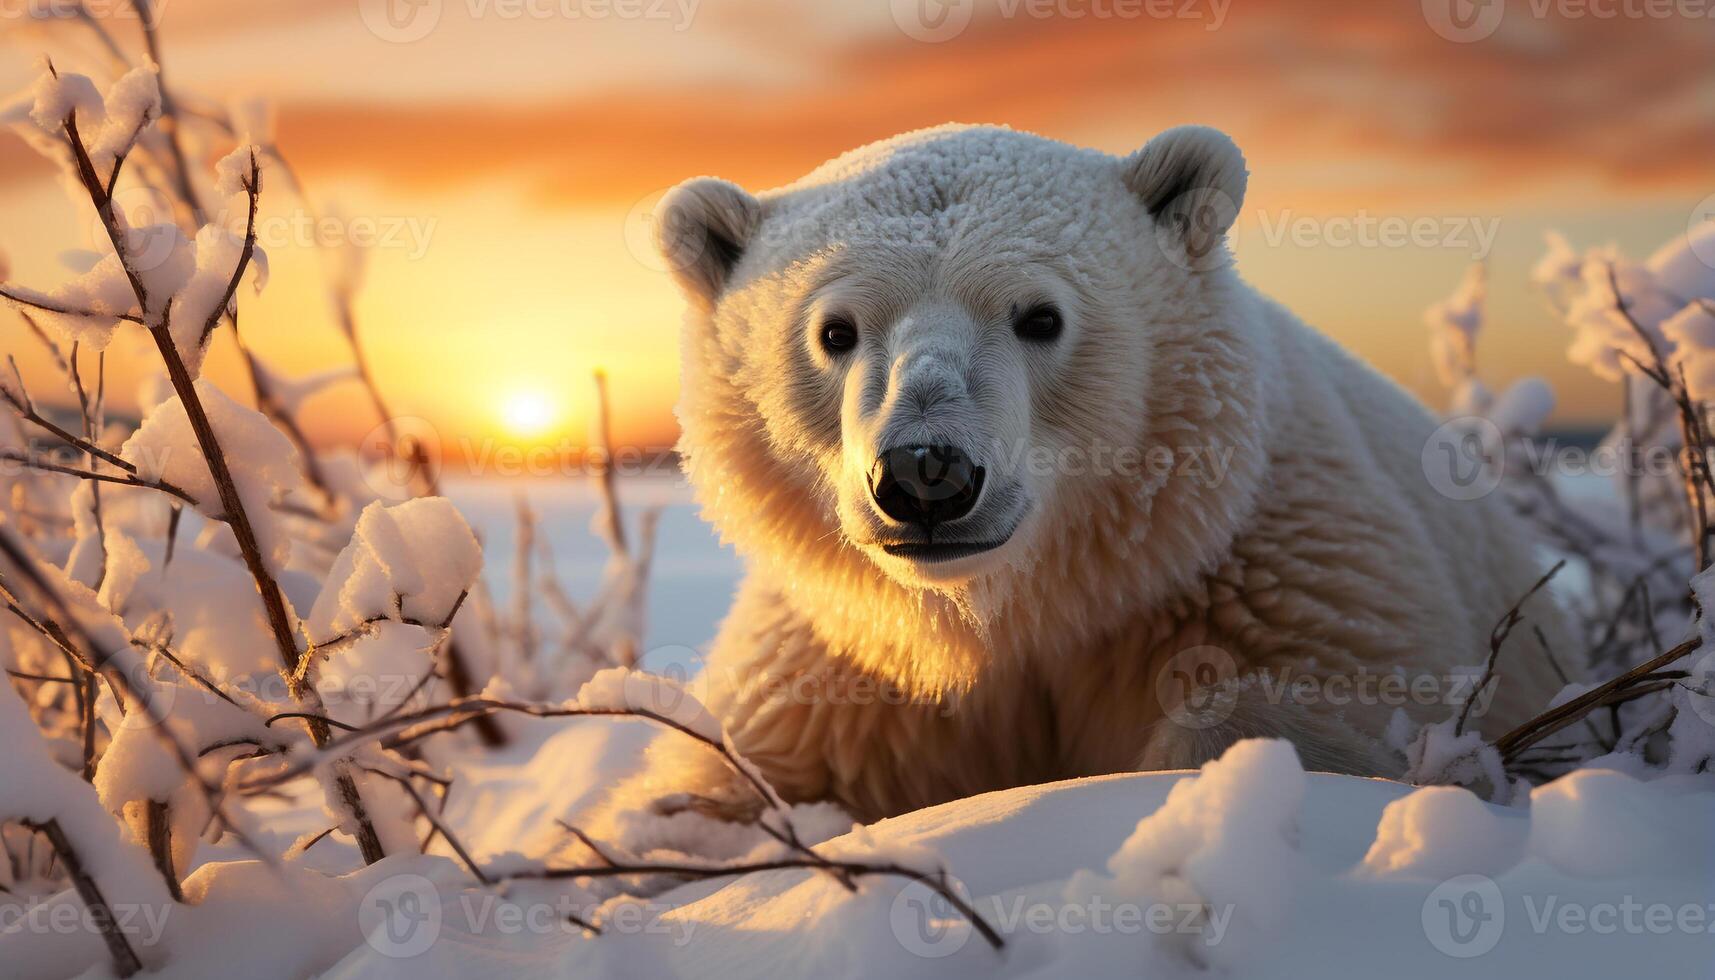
(1251,868)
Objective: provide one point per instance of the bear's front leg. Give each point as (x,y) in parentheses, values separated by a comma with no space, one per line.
(1240,708)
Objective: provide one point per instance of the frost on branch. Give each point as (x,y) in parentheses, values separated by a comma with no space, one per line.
(1616,301)
(232,172)
(388,603)
(262,461)
(96,303)
(622,689)
(291,393)
(1691,331)
(138,769)
(214,256)
(39,792)
(411,563)
(108,126)
(132,104)
(1453,326)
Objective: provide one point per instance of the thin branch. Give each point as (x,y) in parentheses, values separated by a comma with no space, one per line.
(435,822)
(1498,637)
(1555,719)
(48,466)
(125,960)
(40,301)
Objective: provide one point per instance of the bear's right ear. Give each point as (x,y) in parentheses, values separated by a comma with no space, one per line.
(1192,179)
(702,229)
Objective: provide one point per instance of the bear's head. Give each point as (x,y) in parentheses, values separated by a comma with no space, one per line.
(948,366)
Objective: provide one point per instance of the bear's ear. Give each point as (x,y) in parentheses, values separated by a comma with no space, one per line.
(1192,180)
(702,229)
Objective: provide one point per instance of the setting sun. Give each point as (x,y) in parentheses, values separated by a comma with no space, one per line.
(528,413)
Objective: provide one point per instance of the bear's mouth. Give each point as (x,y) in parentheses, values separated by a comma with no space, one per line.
(939,551)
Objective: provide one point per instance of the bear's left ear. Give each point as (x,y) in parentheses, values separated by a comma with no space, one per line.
(702,229)
(1192,179)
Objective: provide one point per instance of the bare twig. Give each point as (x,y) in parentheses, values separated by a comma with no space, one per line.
(125,960)
(1498,637)
(1555,719)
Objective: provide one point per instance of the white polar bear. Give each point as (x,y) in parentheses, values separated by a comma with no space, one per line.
(1030,485)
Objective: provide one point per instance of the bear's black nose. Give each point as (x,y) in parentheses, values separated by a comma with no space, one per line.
(925,485)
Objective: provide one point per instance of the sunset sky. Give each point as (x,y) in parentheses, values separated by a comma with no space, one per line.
(506,153)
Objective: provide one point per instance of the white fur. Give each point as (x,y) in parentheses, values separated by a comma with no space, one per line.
(1312,545)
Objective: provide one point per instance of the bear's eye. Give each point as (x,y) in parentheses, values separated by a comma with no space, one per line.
(838,335)
(1039,323)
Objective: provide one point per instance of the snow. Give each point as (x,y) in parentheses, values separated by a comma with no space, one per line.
(1224,843)
(1443,832)
(108,126)
(291,393)
(377,671)
(1602,333)
(132,103)
(206,602)
(261,458)
(1692,332)
(624,689)
(411,562)
(57,97)
(1453,326)
(1523,408)
(1108,876)
(215,256)
(1682,265)
(34,787)
(1602,824)
(100,296)
(1440,754)
(232,172)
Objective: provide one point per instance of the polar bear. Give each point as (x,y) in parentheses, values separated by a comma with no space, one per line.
(1030,485)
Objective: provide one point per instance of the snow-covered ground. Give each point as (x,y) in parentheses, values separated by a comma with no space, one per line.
(1251,869)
